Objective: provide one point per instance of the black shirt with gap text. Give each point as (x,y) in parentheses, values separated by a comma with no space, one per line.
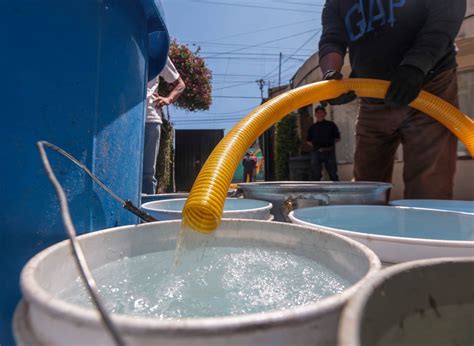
(384,34)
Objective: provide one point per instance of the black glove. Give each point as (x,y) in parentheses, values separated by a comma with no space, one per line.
(406,84)
(342,99)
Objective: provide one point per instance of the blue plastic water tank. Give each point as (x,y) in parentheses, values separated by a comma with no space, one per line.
(74,74)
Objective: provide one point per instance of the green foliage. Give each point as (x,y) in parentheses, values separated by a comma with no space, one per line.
(287,145)
(195,74)
(165,162)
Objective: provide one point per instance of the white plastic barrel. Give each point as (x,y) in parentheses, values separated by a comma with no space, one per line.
(396,234)
(234,208)
(427,302)
(43,318)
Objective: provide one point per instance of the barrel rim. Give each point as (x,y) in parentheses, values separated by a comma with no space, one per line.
(268,206)
(324,185)
(386,238)
(35,295)
(453,203)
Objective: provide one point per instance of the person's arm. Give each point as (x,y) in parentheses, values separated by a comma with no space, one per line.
(333,42)
(438,33)
(178,88)
(309,137)
(444,19)
(331,62)
(171,75)
(332,50)
(337,133)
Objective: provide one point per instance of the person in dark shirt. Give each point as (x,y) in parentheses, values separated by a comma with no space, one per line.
(411,44)
(249,162)
(322,136)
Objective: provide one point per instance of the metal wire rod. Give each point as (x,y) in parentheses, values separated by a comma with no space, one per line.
(79,257)
(125,204)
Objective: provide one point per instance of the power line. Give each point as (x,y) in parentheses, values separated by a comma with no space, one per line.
(254,6)
(255,31)
(206,122)
(296,51)
(231,81)
(241,45)
(210,119)
(299,3)
(240,61)
(237,111)
(235,75)
(270,41)
(234,86)
(252,58)
(235,97)
(200,121)
(250,54)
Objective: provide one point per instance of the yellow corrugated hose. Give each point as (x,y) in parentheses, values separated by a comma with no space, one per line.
(203,209)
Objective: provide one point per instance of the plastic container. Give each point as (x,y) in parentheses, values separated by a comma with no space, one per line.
(428,302)
(163,196)
(75,74)
(437,204)
(235,208)
(396,234)
(44,318)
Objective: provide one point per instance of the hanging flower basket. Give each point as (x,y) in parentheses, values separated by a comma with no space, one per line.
(198,93)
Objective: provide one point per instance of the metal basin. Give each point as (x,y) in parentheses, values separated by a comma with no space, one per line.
(428,302)
(235,208)
(437,204)
(43,318)
(396,234)
(289,195)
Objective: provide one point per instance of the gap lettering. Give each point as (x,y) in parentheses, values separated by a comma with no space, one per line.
(357,25)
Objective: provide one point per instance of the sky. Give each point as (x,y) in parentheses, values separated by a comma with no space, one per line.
(241,41)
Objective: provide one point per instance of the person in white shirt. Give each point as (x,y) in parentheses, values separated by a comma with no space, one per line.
(154,120)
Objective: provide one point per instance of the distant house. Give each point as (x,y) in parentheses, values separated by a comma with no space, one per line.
(344,116)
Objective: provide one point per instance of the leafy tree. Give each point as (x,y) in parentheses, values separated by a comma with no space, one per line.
(287,145)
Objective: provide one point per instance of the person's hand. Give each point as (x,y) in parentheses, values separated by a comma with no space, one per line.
(342,99)
(163,101)
(405,86)
(154,97)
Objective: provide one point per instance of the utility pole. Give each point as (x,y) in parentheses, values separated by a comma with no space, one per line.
(279,70)
(261,83)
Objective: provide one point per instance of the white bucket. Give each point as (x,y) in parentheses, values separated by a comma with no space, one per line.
(234,208)
(46,319)
(396,234)
(162,196)
(436,204)
(427,302)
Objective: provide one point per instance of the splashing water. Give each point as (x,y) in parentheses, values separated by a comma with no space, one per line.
(209,282)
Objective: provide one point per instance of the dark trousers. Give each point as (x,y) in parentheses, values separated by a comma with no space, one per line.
(248,173)
(429,148)
(328,158)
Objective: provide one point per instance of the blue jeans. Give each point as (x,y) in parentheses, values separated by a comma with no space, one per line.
(150,155)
